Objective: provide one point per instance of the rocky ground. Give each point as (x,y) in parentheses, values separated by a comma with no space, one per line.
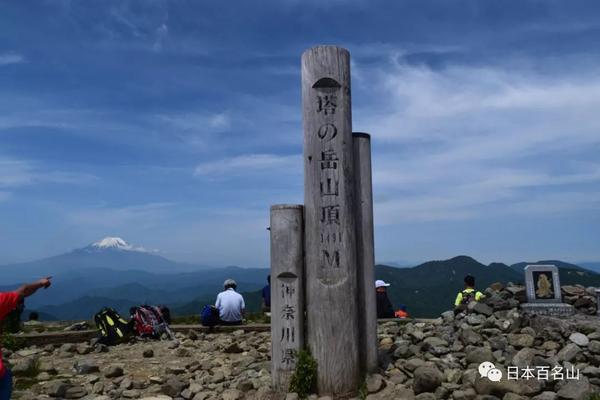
(435,359)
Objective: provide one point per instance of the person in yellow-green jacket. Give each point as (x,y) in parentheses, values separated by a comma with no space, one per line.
(468,295)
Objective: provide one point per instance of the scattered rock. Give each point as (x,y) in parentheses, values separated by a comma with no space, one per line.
(56,389)
(173,387)
(575,390)
(374,383)
(579,339)
(148,353)
(426,379)
(86,367)
(233,348)
(114,372)
(79,326)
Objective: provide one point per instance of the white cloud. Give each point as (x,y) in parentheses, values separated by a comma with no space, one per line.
(248,163)
(14,173)
(197,121)
(162,32)
(138,216)
(462,143)
(11,58)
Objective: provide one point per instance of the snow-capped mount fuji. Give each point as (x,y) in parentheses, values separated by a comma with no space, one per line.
(112,253)
(114,243)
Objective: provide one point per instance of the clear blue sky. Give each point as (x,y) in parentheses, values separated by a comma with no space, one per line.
(175,124)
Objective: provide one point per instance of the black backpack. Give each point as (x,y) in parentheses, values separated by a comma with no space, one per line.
(113,328)
(166,313)
(467,297)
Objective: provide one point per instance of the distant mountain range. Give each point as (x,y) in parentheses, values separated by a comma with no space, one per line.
(430,288)
(593,266)
(111,272)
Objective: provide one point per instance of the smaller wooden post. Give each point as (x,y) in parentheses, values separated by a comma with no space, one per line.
(287,291)
(365,251)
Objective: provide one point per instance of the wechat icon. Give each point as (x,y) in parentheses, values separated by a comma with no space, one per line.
(489,370)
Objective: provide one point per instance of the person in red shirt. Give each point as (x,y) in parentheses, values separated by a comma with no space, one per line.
(8,302)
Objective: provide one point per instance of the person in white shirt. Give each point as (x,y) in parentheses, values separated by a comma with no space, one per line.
(230,304)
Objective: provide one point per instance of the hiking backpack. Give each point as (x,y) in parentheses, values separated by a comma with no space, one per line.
(149,322)
(166,313)
(113,328)
(209,315)
(467,297)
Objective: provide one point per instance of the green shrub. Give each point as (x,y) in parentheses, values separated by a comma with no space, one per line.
(304,379)
(362,390)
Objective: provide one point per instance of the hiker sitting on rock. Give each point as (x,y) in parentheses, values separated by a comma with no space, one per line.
(8,302)
(468,295)
(384,305)
(230,304)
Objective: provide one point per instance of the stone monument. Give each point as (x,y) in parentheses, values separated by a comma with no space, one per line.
(542,284)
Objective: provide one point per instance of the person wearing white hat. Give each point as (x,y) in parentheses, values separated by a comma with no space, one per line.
(384,305)
(230,304)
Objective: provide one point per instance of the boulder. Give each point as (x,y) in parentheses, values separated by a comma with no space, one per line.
(594,346)
(24,366)
(232,394)
(375,383)
(575,390)
(520,340)
(479,355)
(579,339)
(524,357)
(114,371)
(568,352)
(83,367)
(148,353)
(56,389)
(480,308)
(75,392)
(173,386)
(426,379)
(468,336)
(571,290)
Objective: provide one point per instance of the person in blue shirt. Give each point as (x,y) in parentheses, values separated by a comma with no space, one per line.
(266,296)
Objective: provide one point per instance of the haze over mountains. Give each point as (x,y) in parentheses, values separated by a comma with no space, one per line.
(112,272)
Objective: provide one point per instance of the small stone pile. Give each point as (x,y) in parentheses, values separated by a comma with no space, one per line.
(439,359)
(583,299)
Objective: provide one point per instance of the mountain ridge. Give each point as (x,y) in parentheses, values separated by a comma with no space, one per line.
(114,272)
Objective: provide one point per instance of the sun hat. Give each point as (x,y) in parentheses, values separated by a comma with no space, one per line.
(380,283)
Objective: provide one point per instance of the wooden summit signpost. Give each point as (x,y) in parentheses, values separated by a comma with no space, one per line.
(337,272)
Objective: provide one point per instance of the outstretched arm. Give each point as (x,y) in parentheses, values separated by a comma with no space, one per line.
(30,288)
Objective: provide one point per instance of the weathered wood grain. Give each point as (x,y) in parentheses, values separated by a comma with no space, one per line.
(287,291)
(330,230)
(365,252)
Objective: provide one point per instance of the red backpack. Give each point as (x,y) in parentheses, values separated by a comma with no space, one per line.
(147,321)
